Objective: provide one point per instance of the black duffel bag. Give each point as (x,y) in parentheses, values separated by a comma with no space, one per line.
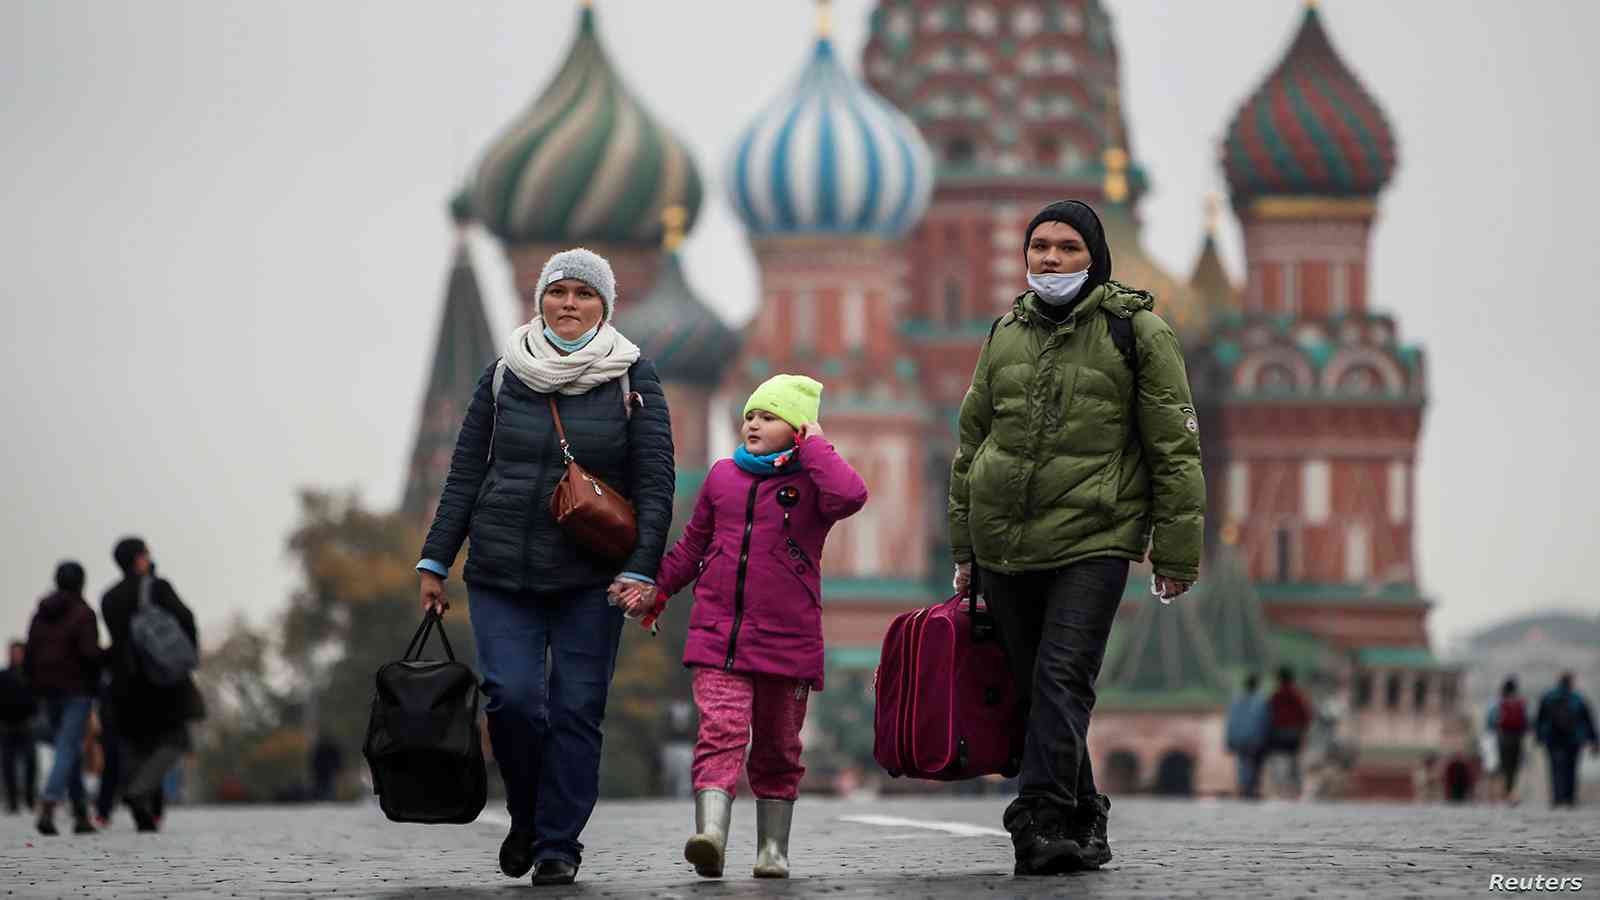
(422,741)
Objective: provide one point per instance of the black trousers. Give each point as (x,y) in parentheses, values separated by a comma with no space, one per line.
(20,762)
(1054,625)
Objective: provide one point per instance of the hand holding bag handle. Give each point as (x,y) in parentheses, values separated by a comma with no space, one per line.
(419,640)
(592,512)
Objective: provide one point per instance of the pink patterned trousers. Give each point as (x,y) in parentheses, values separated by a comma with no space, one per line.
(760,712)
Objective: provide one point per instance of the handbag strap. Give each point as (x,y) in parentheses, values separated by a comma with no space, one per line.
(430,619)
(566,450)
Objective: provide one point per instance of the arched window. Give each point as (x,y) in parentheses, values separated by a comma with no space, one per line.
(1122,772)
(1419,693)
(1392,691)
(959,152)
(1285,560)
(1363,690)
(952,302)
(1175,774)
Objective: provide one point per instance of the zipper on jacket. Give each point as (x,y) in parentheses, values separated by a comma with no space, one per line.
(738,584)
(795,552)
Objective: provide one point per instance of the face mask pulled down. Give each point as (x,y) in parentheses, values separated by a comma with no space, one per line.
(1057,288)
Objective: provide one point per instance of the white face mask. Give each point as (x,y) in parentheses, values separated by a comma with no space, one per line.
(1057,288)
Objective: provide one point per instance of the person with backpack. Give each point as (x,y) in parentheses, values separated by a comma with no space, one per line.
(19,763)
(62,665)
(1508,722)
(154,650)
(1564,725)
(1246,729)
(1079,451)
(570,391)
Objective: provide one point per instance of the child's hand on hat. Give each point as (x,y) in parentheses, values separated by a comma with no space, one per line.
(809,430)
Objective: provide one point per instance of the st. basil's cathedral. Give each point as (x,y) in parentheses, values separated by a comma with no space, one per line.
(885,218)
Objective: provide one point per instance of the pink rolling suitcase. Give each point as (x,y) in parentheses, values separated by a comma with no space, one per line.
(946,705)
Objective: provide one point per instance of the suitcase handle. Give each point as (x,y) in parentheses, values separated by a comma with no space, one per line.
(981,631)
(420,639)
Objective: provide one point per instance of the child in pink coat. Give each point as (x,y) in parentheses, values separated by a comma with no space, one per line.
(755,632)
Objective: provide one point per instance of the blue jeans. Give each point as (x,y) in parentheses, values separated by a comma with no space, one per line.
(1248,763)
(69,719)
(546,731)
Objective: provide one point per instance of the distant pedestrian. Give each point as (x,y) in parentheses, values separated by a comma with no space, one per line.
(19,761)
(1248,727)
(1290,714)
(753,547)
(327,761)
(62,663)
(1460,777)
(540,596)
(1508,723)
(1564,725)
(152,693)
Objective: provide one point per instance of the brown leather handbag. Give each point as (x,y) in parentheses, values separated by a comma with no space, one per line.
(601,520)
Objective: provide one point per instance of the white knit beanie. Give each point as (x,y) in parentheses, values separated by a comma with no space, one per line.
(585,265)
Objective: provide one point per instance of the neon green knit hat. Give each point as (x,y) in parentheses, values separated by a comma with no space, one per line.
(795,399)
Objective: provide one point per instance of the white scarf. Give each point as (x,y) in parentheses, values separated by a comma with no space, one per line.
(542,367)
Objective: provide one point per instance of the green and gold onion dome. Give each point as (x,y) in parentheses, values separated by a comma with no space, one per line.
(585,162)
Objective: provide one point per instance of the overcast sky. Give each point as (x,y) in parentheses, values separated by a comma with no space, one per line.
(223,246)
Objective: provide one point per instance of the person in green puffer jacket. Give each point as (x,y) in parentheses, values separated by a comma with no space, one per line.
(1079,450)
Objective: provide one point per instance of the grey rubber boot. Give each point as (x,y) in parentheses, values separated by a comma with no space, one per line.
(773,818)
(713,809)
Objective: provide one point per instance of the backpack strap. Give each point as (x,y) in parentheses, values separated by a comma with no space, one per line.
(1122,335)
(1128,345)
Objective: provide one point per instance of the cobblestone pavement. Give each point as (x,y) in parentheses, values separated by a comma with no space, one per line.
(841,848)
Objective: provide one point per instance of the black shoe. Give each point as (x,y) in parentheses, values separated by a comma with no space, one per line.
(1043,845)
(1089,830)
(83,826)
(555,871)
(142,819)
(47,827)
(516,852)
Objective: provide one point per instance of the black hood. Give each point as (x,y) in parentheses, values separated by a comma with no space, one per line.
(58,604)
(1082,217)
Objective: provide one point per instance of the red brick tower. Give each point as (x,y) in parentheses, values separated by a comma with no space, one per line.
(1317,403)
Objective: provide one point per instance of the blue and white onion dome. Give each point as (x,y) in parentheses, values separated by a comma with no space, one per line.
(830,157)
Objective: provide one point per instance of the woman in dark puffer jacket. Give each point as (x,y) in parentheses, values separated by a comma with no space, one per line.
(532,589)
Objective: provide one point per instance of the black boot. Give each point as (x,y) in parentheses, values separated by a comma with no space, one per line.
(143,818)
(1089,830)
(516,852)
(554,871)
(47,819)
(1042,843)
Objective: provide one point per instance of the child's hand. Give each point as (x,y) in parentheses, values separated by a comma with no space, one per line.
(809,430)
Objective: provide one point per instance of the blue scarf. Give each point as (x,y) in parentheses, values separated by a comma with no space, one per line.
(762,466)
(571,346)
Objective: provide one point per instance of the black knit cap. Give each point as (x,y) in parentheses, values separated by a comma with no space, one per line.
(69,577)
(128,550)
(1082,217)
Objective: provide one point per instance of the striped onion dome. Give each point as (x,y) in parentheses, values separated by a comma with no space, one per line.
(1311,128)
(585,162)
(830,157)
